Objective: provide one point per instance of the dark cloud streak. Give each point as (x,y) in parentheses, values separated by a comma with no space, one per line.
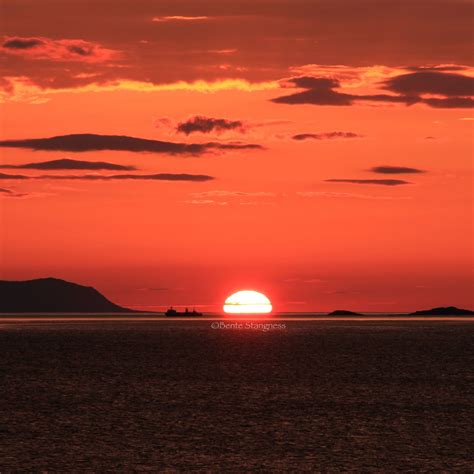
(395,170)
(431,82)
(67,164)
(325,136)
(119,177)
(382,182)
(13,176)
(92,142)
(22,43)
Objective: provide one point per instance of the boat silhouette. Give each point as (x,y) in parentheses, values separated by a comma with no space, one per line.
(186,313)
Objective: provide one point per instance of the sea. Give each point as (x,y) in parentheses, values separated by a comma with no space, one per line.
(281,394)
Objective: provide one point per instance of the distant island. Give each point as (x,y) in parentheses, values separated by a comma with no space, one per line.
(443,311)
(52,295)
(343,312)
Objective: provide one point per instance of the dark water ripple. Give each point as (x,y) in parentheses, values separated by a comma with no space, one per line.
(179,396)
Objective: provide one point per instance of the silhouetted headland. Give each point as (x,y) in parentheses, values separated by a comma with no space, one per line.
(443,311)
(343,312)
(52,295)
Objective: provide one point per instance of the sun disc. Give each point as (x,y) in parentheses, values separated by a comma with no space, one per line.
(247,302)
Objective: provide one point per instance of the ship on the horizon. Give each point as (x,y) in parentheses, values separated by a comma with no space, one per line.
(186,313)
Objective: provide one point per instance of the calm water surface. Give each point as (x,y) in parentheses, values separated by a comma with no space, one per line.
(317,395)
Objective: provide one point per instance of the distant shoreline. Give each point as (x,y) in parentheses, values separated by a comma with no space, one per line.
(214,316)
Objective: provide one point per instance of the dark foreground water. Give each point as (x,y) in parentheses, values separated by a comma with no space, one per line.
(180,396)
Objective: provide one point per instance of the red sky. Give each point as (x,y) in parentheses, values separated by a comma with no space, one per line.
(329,166)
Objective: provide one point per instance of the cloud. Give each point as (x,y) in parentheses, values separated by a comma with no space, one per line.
(439,67)
(395,170)
(22,43)
(321,91)
(256,203)
(207,125)
(161,19)
(58,49)
(8,193)
(223,193)
(218,126)
(330,194)
(216,196)
(412,88)
(12,176)
(38,89)
(450,103)
(223,51)
(206,202)
(68,164)
(382,182)
(120,177)
(92,142)
(326,136)
(317,91)
(431,82)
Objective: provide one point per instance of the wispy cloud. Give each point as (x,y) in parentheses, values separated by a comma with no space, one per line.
(224,193)
(326,136)
(223,51)
(163,19)
(206,202)
(203,124)
(8,193)
(329,194)
(217,126)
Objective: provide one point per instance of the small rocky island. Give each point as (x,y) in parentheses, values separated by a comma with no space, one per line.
(343,312)
(443,311)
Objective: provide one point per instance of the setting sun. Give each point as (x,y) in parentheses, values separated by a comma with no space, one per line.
(247,302)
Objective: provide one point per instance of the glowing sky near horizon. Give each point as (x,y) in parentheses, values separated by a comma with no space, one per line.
(320,151)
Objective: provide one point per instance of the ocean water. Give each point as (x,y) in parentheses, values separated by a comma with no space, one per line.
(177,395)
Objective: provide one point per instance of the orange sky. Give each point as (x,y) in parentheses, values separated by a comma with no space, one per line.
(372,210)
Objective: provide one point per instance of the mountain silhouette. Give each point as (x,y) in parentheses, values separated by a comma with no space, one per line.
(443,311)
(52,295)
(343,312)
